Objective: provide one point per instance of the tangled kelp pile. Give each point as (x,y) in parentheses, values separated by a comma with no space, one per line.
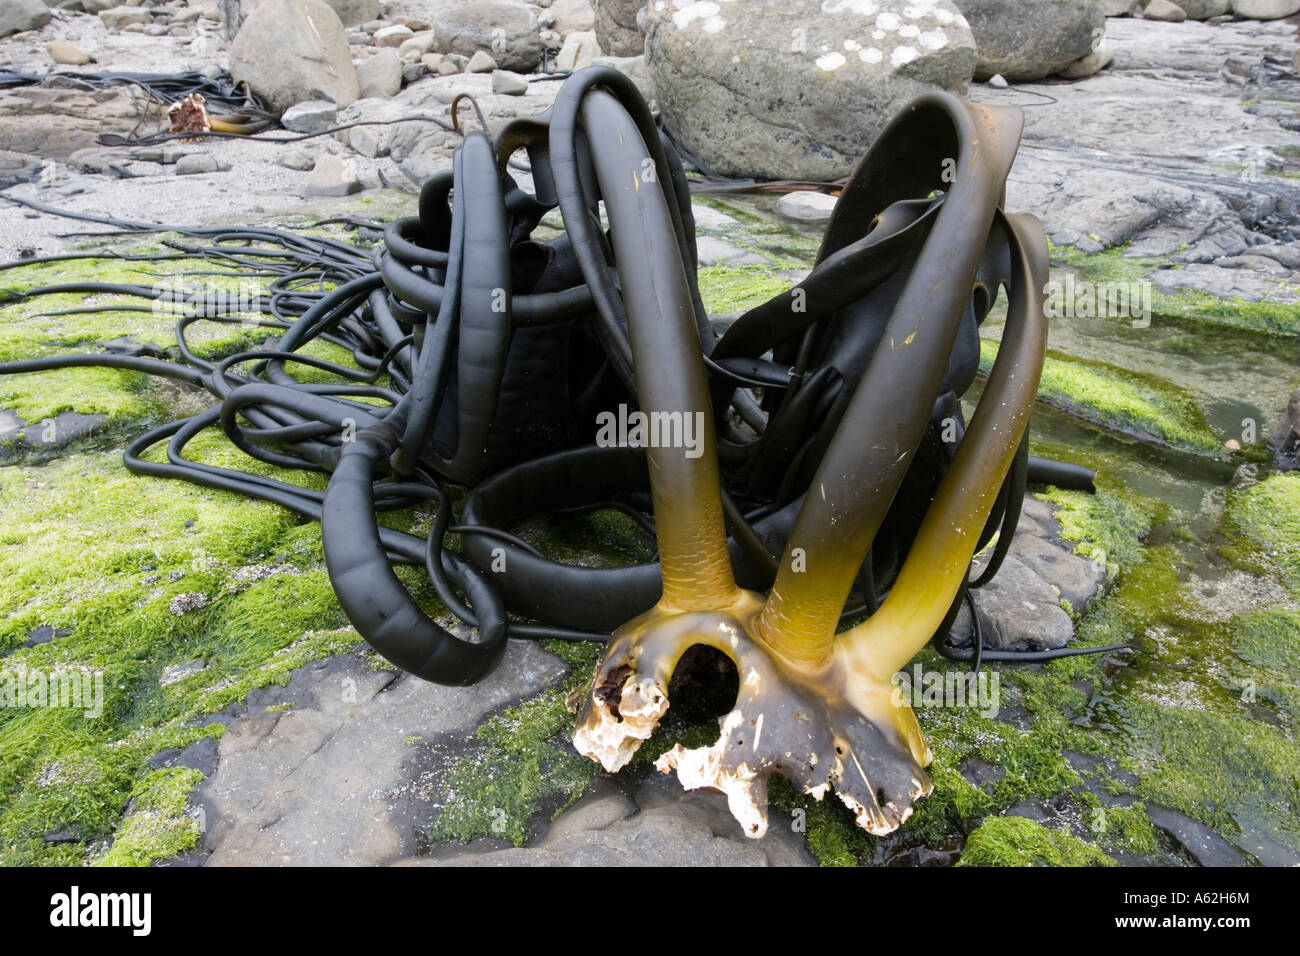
(816,451)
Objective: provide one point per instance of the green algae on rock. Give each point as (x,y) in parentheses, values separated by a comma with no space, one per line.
(525,761)
(1016,841)
(1266,517)
(1198,308)
(730,289)
(1119,399)
(100,557)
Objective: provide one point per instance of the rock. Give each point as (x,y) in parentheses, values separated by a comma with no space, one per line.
(167,155)
(20,168)
(737,92)
(418,24)
(709,219)
(573,16)
(1201,843)
(98,6)
(117,18)
(395,35)
(333,175)
(655,826)
(295,159)
(187,603)
(1077,579)
(368,141)
(1151,186)
(417,46)
(1205,9)
(507,31)
(353,13)
(806,206)
(380,75)
(998,81)
(511,84)
(192,163)
(1265,9)
(579,50)
(68,427)
(1284,443)
(289,51)
(63,52)
(312,116)
(431,61)
(203,755)
(1164,10)
(336,779)
(1120,8)
(1030,41)
(616,27)
(481,62)
(412,72)
(1018,610)
(714,250)
(97,160)
(1088,65)
(53,121)
(448,68)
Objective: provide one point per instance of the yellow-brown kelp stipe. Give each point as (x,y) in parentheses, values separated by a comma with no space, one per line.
(922,215)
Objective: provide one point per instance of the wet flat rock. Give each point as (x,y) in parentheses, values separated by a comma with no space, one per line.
(326,781)
(326,778)
(1178,149)
(47,437)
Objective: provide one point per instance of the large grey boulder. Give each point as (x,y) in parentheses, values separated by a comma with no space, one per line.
(508,32)
(289,51)
(797,89)
(616,27)
(1031,39)
(19,15)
